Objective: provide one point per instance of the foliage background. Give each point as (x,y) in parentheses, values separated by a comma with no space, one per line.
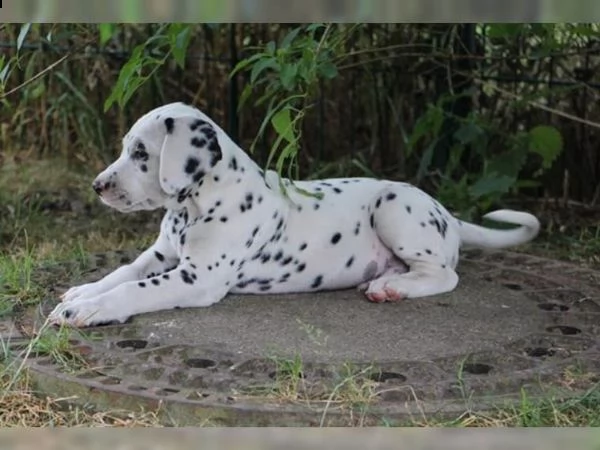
(475,112)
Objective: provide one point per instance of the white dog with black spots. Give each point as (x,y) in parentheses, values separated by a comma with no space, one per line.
(229,227)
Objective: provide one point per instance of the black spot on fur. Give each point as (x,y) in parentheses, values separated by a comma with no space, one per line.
(378,203)
(301,267)
(303,246)
(223,219)
(428,251)
(159,256)
(391,196)
(142,284)
(144,168)
(350,261)
(197,123)
(166,276)
(337,190)
(408,209)
(233,163)
(198,142)
(372,220)
(170,124)
(317,282)
(357,229)
(155,282)
(284,277)
(286,261)
(336,238)
(185,276)
(191,165)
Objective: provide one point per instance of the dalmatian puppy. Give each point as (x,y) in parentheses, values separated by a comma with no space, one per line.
(229,227)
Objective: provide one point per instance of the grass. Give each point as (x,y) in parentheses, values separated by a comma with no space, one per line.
(48,215)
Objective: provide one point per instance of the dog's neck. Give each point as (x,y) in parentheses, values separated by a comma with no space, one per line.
(229,178)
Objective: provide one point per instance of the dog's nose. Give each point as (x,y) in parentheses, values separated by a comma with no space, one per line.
(99,186)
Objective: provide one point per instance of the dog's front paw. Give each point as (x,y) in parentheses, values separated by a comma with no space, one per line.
(87,290)
(85,312)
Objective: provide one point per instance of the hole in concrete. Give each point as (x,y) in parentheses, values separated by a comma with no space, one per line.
(199,363)
(135,344)
(477,368)
(382,377)
(111,380)
(564,329)
(513,286)
(167,391)
(197,396)
(153,373)
(137,388)
(89,374)
(539,352)
(553,307)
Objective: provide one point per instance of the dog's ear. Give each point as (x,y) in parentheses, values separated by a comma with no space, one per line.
(190,149)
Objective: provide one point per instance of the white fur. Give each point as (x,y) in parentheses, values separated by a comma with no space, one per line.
(243,235)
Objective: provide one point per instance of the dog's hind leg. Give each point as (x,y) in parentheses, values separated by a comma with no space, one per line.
(422,235)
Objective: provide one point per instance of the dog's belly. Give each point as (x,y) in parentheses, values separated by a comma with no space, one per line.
(282,269)
(331,247)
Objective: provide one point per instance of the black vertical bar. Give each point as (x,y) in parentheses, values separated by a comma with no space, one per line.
(233,87)
(461,80)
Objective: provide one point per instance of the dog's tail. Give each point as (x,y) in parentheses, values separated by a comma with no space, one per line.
(472,235)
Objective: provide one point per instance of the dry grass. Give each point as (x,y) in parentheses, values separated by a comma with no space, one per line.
(23,407)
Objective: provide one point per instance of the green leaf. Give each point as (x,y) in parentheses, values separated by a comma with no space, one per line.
(282,122)
(508,163)
(179,38)
(504,30)
(246,92)
(289,38)
(241,65)
(22,35)
(492,184)
(328,70)
(288,75)
(261,65)
(107,30)
(5,70)
(468,133)
(547,142)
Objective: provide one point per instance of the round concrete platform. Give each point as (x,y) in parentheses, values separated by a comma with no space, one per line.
(515,322)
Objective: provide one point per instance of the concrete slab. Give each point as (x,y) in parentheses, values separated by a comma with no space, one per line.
(515,322)
(342,326)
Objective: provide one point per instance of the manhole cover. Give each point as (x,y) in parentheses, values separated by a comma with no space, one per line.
(516,322)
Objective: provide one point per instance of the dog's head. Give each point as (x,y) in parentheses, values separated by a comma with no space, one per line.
(165,152)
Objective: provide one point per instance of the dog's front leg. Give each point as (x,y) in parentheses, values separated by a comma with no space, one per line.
(156,259)
(182,287)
